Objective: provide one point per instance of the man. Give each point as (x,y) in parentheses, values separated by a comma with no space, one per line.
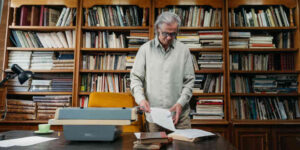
(163,75)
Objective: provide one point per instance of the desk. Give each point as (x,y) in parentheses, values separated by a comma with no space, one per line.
(124,142)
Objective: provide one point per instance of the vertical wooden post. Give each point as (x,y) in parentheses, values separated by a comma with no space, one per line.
(14,17)
(144,17)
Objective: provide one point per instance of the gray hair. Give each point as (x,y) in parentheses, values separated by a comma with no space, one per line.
(168,18)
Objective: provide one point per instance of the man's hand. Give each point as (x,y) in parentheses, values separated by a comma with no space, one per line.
(145,106)
(177,108)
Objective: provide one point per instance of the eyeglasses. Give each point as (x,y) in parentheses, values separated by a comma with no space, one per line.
(165,34)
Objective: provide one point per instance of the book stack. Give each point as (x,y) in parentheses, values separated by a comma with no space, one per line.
(137,38)
(265,108)
(46,16)
(14,85)
(265,17)
(191,135)
(209,108)
(20,109)
(61,85)
(190,39)
(150,140)
(261,41)
(103,40)
(40,85)
(115,16)
(47,105)
(210,60)
(42,60)
(130,61)
(239,39)
(198,83)
(64,60)
(211,39)
(100,61)
(22,58)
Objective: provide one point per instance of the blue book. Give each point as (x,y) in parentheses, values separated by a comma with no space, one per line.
(18,43)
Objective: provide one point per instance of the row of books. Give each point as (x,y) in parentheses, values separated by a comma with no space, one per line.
(265,108)
(208,108)
(283,83)
(47,105)
(46,16)
(209,83)
(195,16)
(105,82)
(83,101)
(41,60)
(263,40)
(201,39)
(272,16)
(104,61)
(208,60)
(262,62)
(18,109)
(116,16)
(30,39)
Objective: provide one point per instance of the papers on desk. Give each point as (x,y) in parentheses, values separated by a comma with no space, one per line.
(26,141)
(161,117)
(191,135)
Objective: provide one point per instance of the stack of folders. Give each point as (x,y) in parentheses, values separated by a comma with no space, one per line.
(150,140)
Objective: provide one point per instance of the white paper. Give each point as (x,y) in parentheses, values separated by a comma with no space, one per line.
(192,133)
(26,141)
(162,117)
(137,135)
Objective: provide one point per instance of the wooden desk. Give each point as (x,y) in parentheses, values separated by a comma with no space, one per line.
(124,142)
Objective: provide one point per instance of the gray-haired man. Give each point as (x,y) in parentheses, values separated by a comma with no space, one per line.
(163,75)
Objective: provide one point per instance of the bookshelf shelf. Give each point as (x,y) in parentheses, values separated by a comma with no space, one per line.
(39,49)
(114,28)
(47,71)
(263,28)
(104,71)
(264,94)
(201,28)
(263,72)
(210,71)
(263,50)
(87,93)
(39,93)
(266,122)
(208,122)
(110,49)
(42,28)
(206,49)
(208,94)
(24,121)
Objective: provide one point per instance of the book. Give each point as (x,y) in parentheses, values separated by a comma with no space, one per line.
(152,137)
(191,135)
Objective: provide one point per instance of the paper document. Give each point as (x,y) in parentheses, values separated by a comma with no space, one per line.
(162,117)
(26,141)
(192,133)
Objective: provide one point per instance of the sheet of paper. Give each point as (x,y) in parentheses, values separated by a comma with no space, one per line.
(163,118)
(192,133)
(26,141)
(137,135)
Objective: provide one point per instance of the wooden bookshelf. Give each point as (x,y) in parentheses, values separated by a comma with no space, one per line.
(245,129)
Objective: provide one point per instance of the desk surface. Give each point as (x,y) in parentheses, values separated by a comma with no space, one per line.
(123,142)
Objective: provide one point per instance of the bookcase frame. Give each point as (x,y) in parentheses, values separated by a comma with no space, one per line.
(11,20)
(83,26)
(220,4)
(291,4)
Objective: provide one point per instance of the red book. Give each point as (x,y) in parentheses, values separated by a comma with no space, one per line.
(24,16)
(261,45)
(42,15)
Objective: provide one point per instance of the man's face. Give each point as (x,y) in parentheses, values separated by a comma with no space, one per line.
(167,33)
